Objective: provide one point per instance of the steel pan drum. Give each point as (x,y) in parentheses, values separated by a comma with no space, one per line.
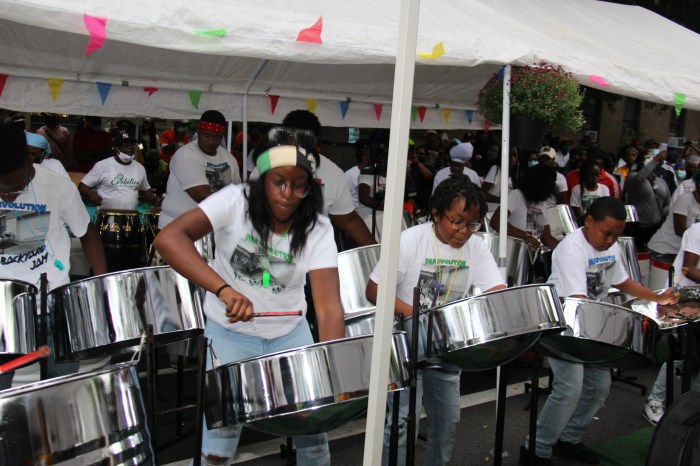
(561,221)
(17,319)
(670,316)
(631,212)
(91,418)
(406,222)
(629,257)
(302,391)
(354,269)
(603,334)
(488,330)
(519,257)
(107,314)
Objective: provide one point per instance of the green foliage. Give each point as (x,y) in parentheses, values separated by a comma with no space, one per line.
(538,92)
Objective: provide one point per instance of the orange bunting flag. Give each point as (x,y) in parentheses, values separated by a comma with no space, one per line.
(311,104)
(96,26)
(150,90)
(378,111)
(3,80)
(273,102)
(421,113)
(312,35)
(446,112)
(55,85)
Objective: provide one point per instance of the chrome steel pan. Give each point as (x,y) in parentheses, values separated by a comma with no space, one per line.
(105,315)
(17,319)
(631,212)
(354,269)
(301,391)
(488,330)
(89,418)
(670,316)
(603,334)
(629,257)
(561,221)
(519,257)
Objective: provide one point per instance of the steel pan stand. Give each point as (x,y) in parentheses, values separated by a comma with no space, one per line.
(151,380)
(534,395)
(43,336)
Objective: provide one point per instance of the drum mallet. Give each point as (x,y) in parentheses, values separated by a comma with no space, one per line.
(39,353)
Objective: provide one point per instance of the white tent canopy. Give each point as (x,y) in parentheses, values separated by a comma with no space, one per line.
(154,44)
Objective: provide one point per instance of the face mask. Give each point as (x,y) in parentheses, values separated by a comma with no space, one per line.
(680,174)
(126,158)
(565,149)
(532,163)
(655,152)
(180,129)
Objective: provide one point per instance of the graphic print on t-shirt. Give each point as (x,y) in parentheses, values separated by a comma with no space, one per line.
(23,232)
(218,175)
(599,276)
(535,220)
(249,264)
(441,282)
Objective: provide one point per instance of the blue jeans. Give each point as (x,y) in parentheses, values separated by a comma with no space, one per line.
(577,394)
(229,346)
(439,391)
(658,392)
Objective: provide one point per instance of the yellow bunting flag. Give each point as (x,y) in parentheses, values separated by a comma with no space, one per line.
(55,85)
(438,51)
(446,112)
(311,104)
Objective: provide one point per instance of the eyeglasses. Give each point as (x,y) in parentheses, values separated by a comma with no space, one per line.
(457,226)
(300,190)
(24,190)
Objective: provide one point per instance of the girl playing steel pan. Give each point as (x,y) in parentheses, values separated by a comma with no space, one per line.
(444,259)
(269,234)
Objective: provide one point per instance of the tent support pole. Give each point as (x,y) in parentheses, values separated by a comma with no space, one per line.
(248,85)
(505,168)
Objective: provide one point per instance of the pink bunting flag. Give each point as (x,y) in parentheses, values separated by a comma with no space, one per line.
(378,111)
(3,80)
(150,90)
(421,113)
(599,80)
(312,35)
(96,26)
(273,102)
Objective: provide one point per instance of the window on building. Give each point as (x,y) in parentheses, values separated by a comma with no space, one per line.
(631,110)
(676,125)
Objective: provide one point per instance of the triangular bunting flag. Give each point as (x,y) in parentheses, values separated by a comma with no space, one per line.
(195,96)
(421,113)
(150,90)
(55,85)
(344,106)
(3,80)
(438,51)
(312,34)
(103,89)
(470,115)
(599,80)
(273,102)
(96,26)
(210,32)
(378,110)
(500,73)
(446,112)
(414,112)
(311,104)
(678,102)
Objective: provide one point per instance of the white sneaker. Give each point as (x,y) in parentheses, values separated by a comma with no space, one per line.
(653,411)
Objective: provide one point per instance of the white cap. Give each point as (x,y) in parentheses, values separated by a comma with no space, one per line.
(462,152)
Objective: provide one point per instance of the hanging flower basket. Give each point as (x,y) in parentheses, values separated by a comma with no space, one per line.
(539,92)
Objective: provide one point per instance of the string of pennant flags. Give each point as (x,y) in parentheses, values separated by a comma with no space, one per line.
(97,29)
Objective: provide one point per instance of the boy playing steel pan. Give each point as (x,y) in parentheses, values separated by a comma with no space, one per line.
(444,259)
(586,264)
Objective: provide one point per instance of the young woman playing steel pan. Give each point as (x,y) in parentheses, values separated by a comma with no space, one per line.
(269,234)
(444,259)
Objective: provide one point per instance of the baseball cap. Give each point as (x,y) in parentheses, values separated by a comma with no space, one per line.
(122,137)
(548,151)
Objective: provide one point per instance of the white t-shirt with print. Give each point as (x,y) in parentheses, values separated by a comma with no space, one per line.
(191,167)
(55,166)
(364,210)
(689,243)
(336,192)
(445,173)
(424,261)
(34,231)
(117,184)
(588,196)
(665,240)
(526,216)
(560,184)
(241,261)
(353,177)
(579,269)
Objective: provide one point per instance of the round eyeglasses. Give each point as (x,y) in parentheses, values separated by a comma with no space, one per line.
(457,226)
(299,190)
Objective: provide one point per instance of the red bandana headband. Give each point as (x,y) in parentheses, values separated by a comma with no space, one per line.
(213,127)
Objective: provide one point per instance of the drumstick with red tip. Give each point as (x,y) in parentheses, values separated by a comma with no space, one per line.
(39,353)
(277,314)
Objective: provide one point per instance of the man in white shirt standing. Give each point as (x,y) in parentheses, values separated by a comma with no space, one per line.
(459,156)
(199,169)
(362,153)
